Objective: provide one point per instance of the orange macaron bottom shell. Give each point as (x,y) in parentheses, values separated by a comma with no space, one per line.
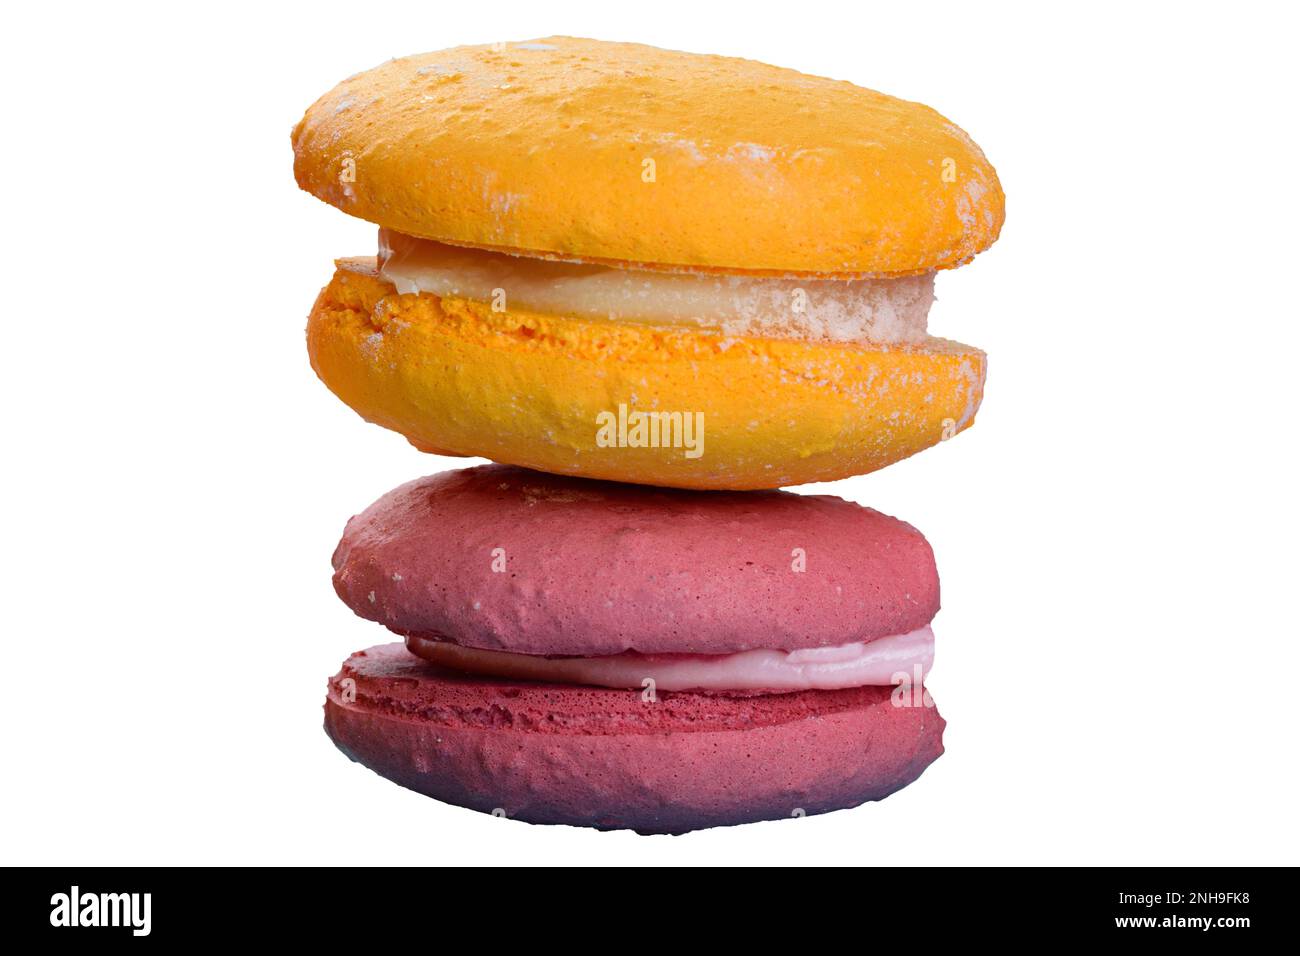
(626,401)
(625,759)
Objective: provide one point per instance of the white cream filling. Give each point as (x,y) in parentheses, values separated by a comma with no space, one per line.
(879,662)
(885,311)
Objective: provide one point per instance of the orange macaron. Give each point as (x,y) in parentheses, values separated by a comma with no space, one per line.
(614,261)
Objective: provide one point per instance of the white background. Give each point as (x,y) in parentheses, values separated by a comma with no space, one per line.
(1116,535)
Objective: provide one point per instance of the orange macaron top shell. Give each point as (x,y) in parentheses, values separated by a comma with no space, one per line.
(629,154)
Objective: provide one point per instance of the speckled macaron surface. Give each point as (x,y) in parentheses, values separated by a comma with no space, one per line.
(612,759)
(502,558)
(619,152)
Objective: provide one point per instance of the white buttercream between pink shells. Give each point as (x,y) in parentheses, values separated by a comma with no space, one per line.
(878,662)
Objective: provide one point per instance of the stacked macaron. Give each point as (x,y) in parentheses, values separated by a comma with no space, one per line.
(608,261)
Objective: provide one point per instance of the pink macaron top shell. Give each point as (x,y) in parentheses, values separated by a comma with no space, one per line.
(502,558)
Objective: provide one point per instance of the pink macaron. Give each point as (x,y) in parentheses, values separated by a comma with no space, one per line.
(607,655)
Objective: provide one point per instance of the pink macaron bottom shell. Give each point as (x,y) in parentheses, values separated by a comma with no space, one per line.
(879,662)
(615,759)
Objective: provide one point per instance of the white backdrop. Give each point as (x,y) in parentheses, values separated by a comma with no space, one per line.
(1116,536)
